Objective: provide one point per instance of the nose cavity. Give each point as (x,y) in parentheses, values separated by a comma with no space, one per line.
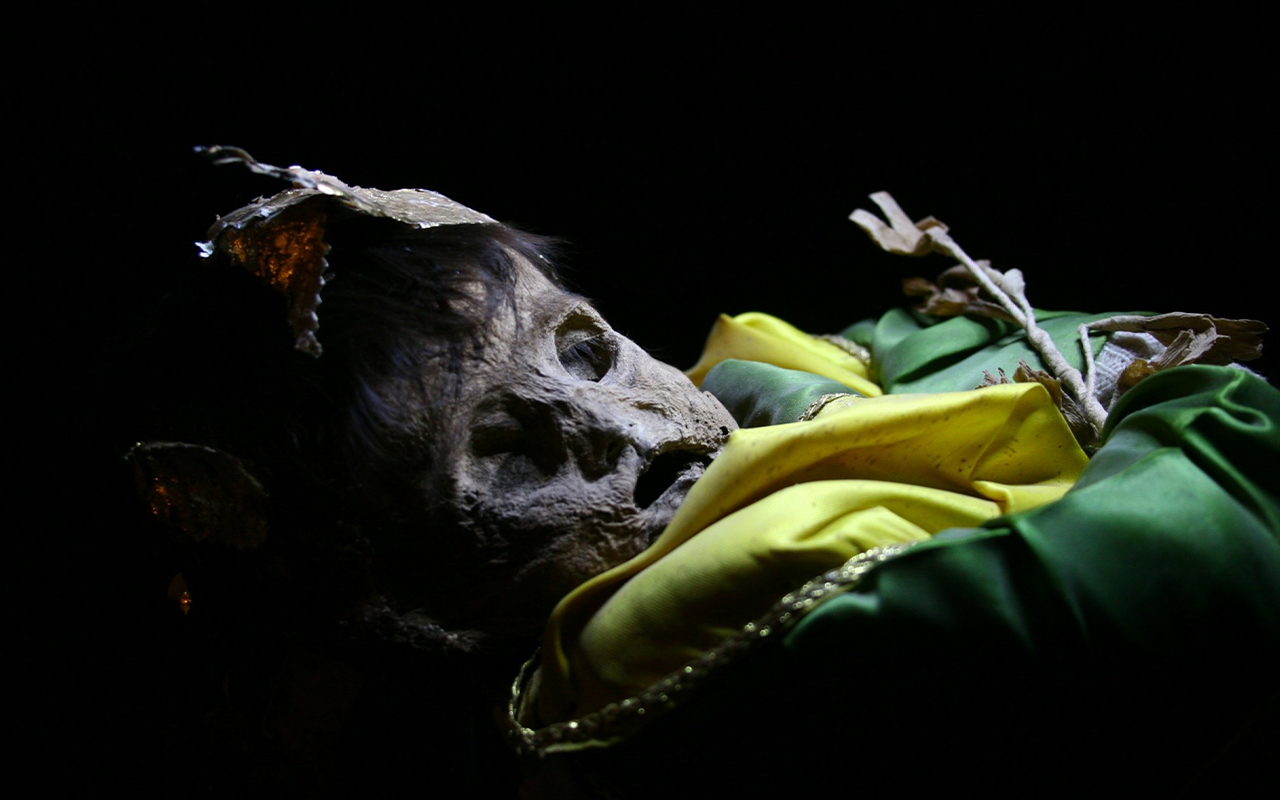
(604,444)
(613,451)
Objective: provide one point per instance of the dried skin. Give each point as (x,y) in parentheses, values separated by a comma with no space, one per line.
(571,450)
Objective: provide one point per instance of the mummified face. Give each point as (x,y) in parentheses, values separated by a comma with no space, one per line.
(573,448)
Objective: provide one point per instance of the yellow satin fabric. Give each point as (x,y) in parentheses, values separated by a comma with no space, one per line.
(783,504)
(760,337)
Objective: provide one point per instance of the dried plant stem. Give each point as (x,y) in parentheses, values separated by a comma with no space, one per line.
(1186,338)
(904,237)
(1020,309)
(1089,370)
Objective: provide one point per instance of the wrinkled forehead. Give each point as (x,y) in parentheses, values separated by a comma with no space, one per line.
(540,307)
(515,354)
(436,391)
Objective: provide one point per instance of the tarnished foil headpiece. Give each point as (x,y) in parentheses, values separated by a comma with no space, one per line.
(281,239)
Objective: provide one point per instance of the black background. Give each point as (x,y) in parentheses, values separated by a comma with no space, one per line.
(696,163)
(706,164)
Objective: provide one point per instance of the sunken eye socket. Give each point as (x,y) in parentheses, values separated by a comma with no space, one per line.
(488,440)
(586,347)
(588,360)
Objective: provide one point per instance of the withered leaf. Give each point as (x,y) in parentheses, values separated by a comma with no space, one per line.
(1025,373)
(956,292)
(1077,420)
(901,236)
(1084,431)
(1193,338)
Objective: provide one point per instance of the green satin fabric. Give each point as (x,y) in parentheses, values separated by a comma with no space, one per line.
(1126,636)
(759,394)
(916,352)
(755,336)
(1174,524)
(785,503)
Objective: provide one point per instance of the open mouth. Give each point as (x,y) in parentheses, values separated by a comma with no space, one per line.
(665,471)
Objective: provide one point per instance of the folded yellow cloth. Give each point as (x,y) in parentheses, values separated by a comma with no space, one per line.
(755,336)
(785,503)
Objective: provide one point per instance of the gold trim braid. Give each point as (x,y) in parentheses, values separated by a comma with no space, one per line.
(618,721)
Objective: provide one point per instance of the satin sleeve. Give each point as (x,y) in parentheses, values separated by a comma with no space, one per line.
(1127,635)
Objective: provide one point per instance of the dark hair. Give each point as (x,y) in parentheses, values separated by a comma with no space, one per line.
(341,442)
(327,438)
(404,312)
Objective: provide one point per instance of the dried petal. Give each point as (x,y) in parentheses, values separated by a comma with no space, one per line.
(901,236)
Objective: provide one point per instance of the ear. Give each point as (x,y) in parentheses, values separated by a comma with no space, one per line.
(210,495)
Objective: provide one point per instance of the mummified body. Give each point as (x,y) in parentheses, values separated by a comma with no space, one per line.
(371,535)
(472,442)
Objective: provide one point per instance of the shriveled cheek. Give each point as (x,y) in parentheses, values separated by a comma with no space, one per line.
(556,571)
(560,533)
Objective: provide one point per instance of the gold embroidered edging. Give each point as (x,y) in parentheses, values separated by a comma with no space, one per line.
(618,721)
(848,345)
(821,403)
